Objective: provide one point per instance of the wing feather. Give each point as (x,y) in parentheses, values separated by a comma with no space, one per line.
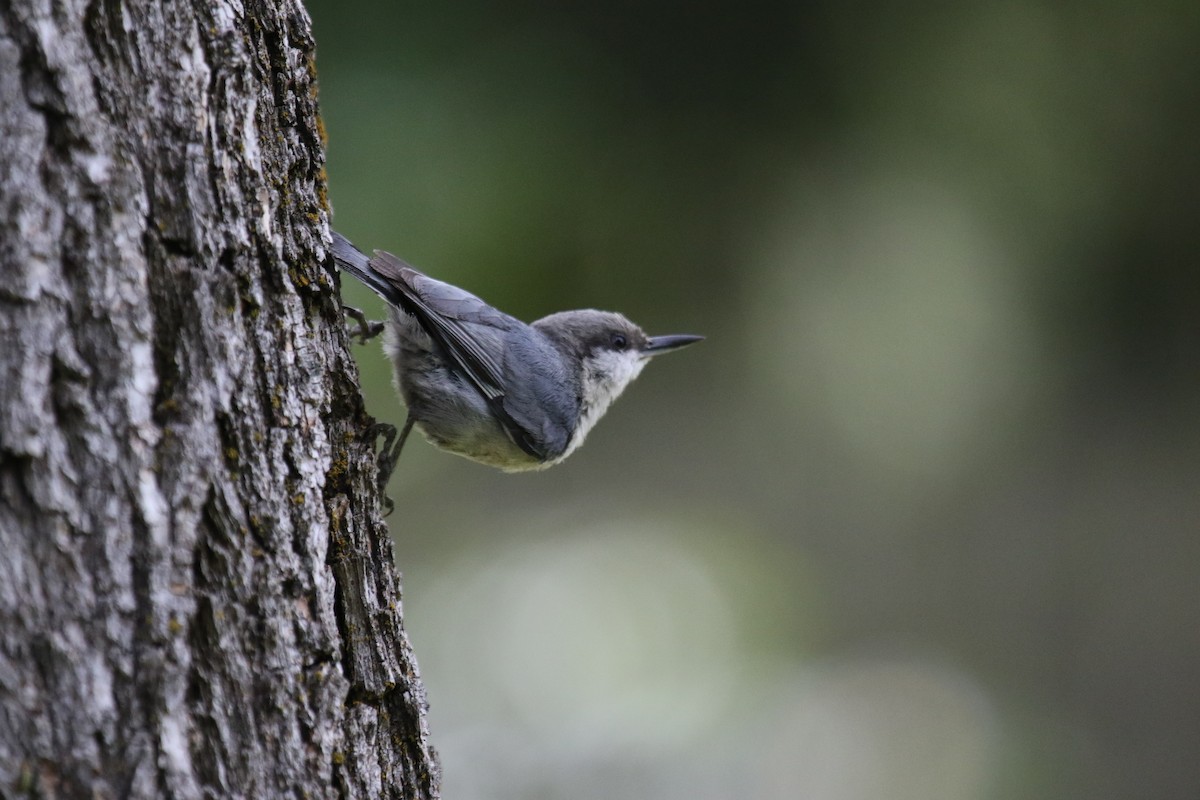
(444,312)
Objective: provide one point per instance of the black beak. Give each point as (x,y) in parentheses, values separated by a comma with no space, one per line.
(665,344)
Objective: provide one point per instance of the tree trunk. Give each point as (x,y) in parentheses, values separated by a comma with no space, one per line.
(197,595)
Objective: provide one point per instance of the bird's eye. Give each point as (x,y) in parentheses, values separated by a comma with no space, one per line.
(619,342)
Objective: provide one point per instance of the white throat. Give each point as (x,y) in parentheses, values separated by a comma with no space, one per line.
(605,376)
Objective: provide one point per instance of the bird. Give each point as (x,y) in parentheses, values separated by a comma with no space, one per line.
(481,384)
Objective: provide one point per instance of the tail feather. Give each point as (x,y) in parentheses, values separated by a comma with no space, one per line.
(350,259)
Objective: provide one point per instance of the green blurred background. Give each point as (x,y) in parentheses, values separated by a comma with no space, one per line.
(921,518)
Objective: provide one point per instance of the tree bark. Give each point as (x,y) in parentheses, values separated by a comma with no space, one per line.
(197,594)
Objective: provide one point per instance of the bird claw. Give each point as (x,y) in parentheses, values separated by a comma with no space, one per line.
(367,330)
(389,454)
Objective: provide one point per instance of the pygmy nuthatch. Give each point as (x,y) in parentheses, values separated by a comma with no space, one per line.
(486,386)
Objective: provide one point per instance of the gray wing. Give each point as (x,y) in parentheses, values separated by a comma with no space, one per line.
(448,315)
(442,310)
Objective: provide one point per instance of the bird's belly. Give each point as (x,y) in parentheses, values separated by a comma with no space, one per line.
(486,444)
(452,416)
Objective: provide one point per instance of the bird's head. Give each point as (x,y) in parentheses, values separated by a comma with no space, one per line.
(610,351)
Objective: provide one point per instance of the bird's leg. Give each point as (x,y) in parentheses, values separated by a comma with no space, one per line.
(367,330)
(389,455)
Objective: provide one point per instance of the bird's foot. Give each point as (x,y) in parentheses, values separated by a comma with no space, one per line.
(389,454)
(367,329)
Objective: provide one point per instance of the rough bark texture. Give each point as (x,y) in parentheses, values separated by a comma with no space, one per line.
(197,596)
